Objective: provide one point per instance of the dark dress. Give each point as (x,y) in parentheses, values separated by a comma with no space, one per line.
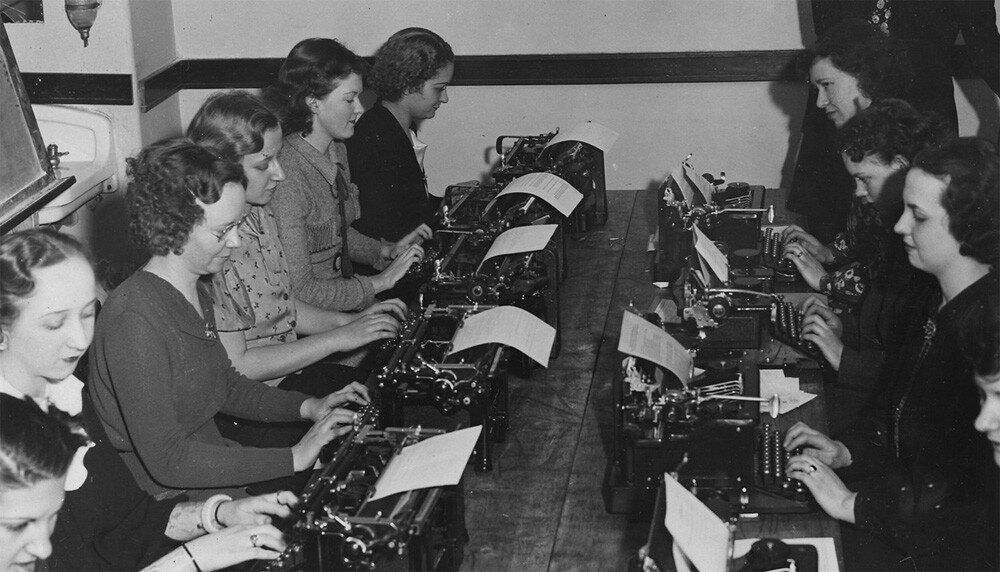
(109,523)
(392,186)
(926,481)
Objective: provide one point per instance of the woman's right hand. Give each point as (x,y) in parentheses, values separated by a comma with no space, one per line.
(336,423)
(363,331)
(397,268)
(817,445)
(233,545)
(819,251)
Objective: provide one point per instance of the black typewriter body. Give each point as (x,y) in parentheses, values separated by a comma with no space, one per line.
(416,368)
(336,527)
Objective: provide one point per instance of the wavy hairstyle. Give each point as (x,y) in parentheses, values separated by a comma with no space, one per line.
(35,446)
(859,49)
(232,124)
(168,177)
(313,68)
(889,128)
(406,60)
(968,166)
(23,252)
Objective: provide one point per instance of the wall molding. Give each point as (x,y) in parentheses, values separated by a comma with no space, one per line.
(538,69)
(79,88)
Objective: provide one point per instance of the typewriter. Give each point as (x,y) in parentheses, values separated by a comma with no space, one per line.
(579,164)
(714,442)
(336,527)
(415,368)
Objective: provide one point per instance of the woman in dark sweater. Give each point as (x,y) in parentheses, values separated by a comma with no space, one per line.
(158,372)
(411,74)
(913,474)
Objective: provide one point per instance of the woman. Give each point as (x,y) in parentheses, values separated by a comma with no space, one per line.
(316,98)
(411,74)
(258,316)
(850,66)
(917,472)
(108,523)
(877,146)
(185,206)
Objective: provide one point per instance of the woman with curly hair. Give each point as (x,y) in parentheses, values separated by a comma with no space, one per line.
(411,74)
(316,97)
(158,372)
(913,475)
(850,66)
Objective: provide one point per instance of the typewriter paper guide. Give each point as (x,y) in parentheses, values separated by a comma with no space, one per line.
(693,188)
(701,535)
(644,340)
(521,239)
(548,187)
(509,326)
(434,462)
(588,132)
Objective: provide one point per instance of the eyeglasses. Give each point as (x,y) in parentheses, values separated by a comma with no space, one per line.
(222,234)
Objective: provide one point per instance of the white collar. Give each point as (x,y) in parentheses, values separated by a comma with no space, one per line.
(67,394)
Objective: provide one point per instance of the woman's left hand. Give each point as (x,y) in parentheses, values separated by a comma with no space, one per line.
(810,268)
(256,510)
(317,408)
(417,236)
(826,487)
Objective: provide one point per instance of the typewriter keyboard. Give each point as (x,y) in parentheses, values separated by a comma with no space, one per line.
(786,327)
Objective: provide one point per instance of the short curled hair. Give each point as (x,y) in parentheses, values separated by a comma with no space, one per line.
(888,129)
(859,49)
(35,446)
(406,60)
(232,124)
(968,166)
(23,252)
(167,177)
(314,67)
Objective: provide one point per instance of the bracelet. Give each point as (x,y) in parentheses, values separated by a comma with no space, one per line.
(191,556)
(209,513)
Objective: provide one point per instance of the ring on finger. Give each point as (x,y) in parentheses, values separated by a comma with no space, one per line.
(254,540)
(811,469)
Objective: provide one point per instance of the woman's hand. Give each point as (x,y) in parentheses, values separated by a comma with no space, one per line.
(817,446)
(824,484)
(233,545)
(395,307)
(810,268)
(304,453)
(822,327)
(256,510)
(397,268)
(812,301)
(794,234)
(317,408)
(417,236)
(362,331)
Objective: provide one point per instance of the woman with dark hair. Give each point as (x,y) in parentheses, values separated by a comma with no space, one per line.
(316,97)
(913,472)
(876,147)
(850,66)
(258,316)
(108,523)
(158,372)
(411,74)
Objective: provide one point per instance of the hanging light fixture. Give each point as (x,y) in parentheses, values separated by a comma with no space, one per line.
(81,14)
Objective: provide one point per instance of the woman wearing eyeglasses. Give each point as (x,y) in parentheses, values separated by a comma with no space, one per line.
(159,373)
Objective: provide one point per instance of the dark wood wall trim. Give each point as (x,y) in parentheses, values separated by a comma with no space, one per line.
(568,69)
(82,88)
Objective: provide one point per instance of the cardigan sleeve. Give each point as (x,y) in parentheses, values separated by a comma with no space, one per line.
(291,207)
(146,404)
